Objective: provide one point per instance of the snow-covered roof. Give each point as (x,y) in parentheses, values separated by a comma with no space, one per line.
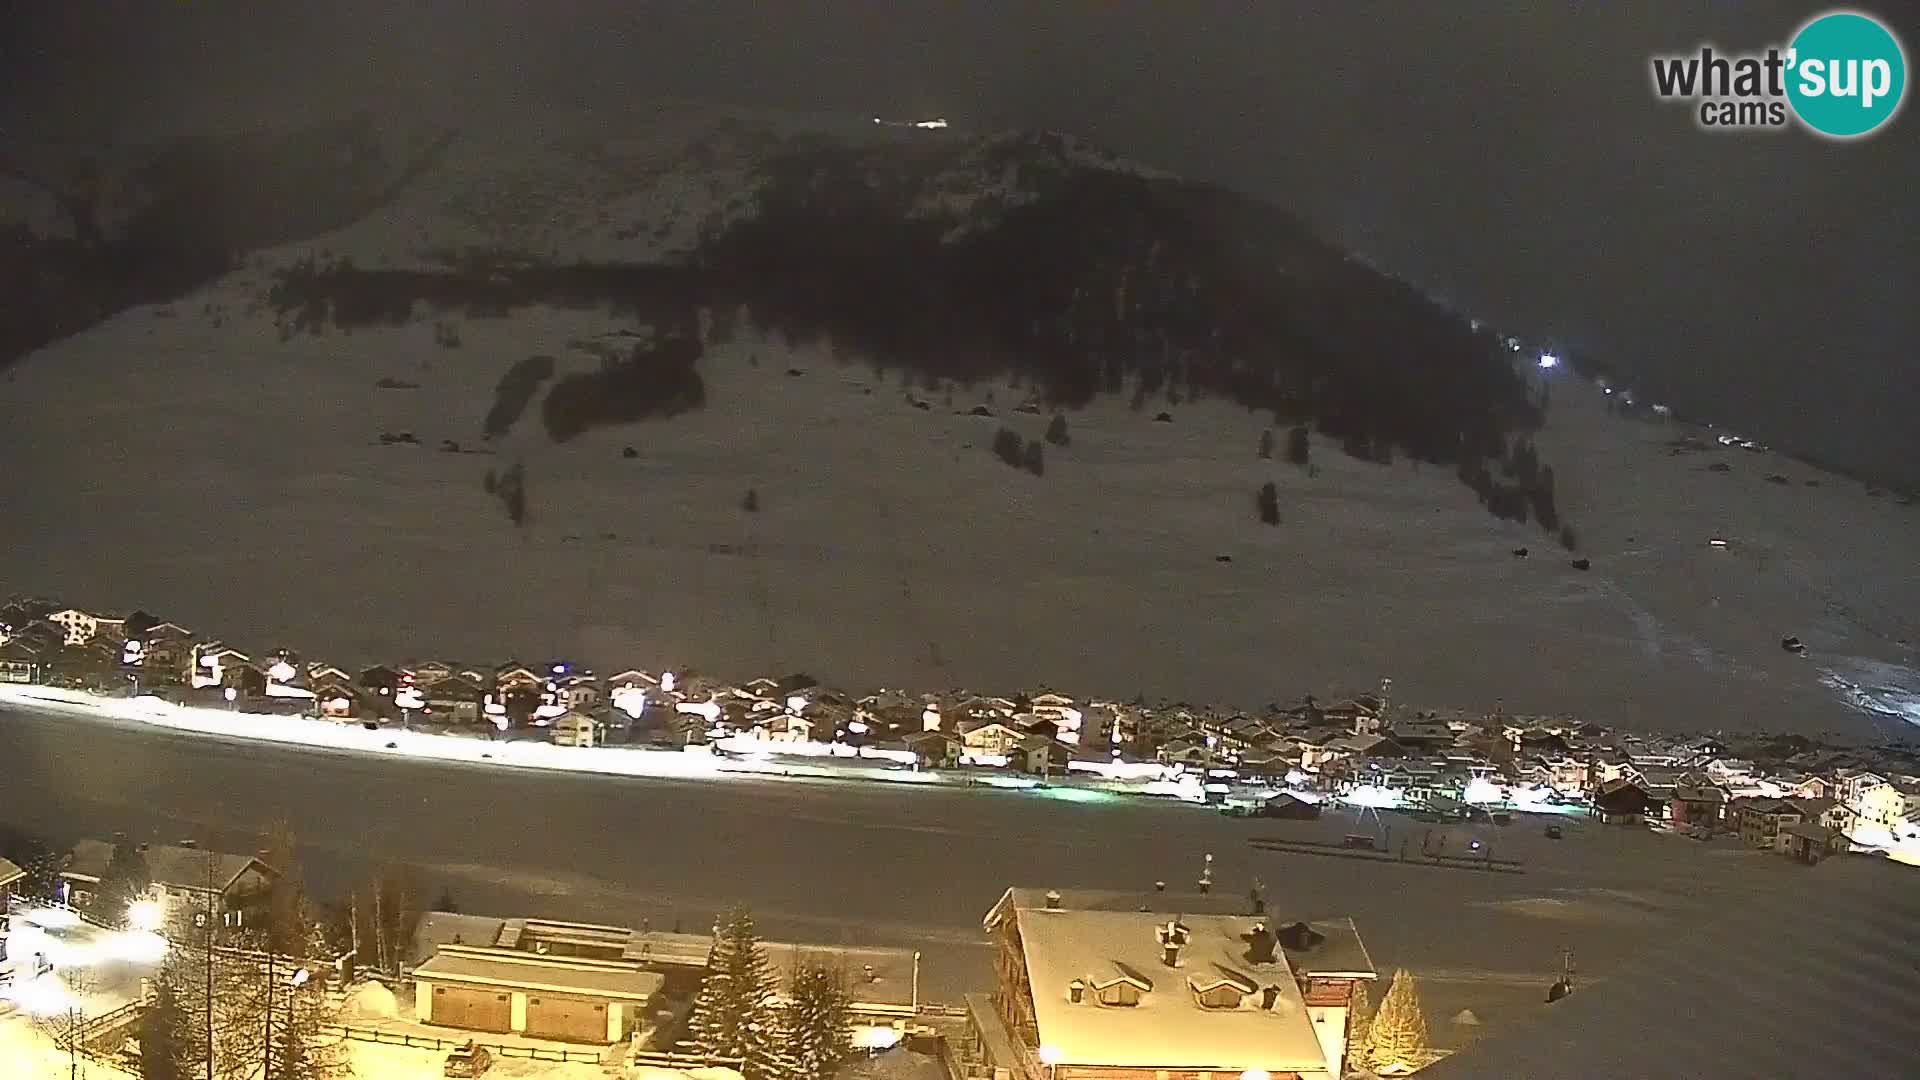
(439,928)
(9,873)
(176,867)
(557,974)
(1169,1028)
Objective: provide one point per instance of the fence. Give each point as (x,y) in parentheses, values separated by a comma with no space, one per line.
(429,1042)
(681,1061)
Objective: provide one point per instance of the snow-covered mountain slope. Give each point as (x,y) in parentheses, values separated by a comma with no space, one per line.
(219,459)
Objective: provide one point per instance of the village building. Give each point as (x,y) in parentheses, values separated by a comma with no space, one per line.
(1041,756)
(1760,820)
(12,880)
(990,737)
(185,880)
(1112,992)
(1621,801)
(19,663)
(450,699)
(935,749)
(574,728)
(1290,806)
(1697,807)
(1809,842)
(82,627)
(599,984)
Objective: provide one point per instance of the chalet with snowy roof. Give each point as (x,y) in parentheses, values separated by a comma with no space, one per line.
(990,737)
(1826,813)
(1109,991)
(1040,755)
(1621,801)
(185,879)
(574,728)
(80,627)
(166,648)
(1697,806)
(1422,736)
(935,749)
(1760,821)
(1289,806)
(431,671)
(588,983)
(12,880)
(94,666)
(451,699)
(517,677)
(336,695)
(19,662)
(1809,842)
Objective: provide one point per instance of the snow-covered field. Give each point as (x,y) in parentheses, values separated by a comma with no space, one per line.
(186,461)
(236,484)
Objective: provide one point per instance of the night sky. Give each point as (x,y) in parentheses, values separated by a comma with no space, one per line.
(1508,156)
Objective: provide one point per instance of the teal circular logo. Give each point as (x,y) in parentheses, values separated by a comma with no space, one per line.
(1846,74)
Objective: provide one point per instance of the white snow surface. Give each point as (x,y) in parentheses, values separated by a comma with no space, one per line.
(369,1001)
(235,483)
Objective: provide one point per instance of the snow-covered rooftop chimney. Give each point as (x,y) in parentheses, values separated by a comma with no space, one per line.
(1053,900)
(1269,995)
(1260,944)
(1173,937)
(1076,991)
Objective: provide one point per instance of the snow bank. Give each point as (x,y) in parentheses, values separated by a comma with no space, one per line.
(370,1001)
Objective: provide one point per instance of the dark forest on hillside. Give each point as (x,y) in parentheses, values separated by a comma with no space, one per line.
(1113,284)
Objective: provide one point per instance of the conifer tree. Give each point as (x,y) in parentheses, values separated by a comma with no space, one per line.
(125,878)
(1057,430)
(166,1046)
(817,1022)
(1399,1035)
(1360,1028)
(736,1014)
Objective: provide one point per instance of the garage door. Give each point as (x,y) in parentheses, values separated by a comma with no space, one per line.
(474,1010)
(574,1019)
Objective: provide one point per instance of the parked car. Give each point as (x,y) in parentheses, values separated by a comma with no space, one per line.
(468,1061)
(1553,832)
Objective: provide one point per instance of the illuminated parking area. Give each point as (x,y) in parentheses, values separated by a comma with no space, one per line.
(44,940)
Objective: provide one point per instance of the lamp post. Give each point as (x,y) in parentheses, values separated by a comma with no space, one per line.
(298,980)
(1050,1057)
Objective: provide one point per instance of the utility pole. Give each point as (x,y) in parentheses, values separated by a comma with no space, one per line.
(266,1046)
(207,918)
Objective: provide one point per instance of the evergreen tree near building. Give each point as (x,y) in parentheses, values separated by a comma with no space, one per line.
(1299,445)
(1360,1028)
(1035,460)
(1268,503)
(166,1046)
(817,1022)
(33,855)
(751,504)
(1057,430)
(736,1014)
(1266,445)
(125,878)
(1399,1033)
